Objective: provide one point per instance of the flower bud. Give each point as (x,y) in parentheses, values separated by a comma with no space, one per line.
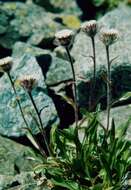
(90,28)
(109,36)
(64,37)
(28,82)
(6,64)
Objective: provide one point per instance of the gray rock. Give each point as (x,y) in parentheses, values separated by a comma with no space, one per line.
(20,21)
(30,22)
(66,6)
(119,118)
(60,70)
(121,66)
(11,122)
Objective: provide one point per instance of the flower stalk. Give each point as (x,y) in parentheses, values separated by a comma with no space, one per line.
(94,59)
(65,38)
(74,86)
(5,67)
(90,28)
(29,83)
(108,87)
(17,99)
(22,113)
(92,83)
(40,122)
(108,37)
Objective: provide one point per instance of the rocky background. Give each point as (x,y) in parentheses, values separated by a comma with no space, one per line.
(27,31)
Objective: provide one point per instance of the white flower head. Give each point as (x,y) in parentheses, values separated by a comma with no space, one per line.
(6,64)
(28,82)
(109,36)
(64,37)
(90,28)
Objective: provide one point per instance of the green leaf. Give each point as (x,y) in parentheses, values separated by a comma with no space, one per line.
(125,146)
(98,3)
(106,166)
(67,133)
(126,96)
(69,184)
(53,139)
(54,172)
(39,168)
(31,138)
(112,132)
(61,146)
(123,128)
(97,187)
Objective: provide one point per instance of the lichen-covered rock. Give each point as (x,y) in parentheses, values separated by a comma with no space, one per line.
(30,22)
(11,122)
(21,21)
(60,70)
(14,157)
(66,6)
(121,66)
(20,181)
(16,169)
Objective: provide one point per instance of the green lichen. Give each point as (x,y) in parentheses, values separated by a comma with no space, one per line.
(71,21)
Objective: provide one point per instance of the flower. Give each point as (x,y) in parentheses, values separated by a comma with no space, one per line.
(64,37)
(6,64)
(28,82)
(109,36)
(90,28)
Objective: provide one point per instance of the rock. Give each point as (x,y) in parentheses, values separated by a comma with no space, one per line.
(119,118)
(58,78)
(121,66)
(26,22)
(31,23)
(65,6)
(21,181)
(59,71)
(11,122)
(16,169)
(14,157)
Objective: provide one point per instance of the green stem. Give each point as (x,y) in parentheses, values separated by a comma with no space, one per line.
(40,122)
(108,87)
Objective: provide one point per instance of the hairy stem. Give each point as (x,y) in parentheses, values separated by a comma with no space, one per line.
(78,145)
(92,83)
(74,86)
(21,111)
(40,122)
(94,59)
(108,87)
(18,102)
